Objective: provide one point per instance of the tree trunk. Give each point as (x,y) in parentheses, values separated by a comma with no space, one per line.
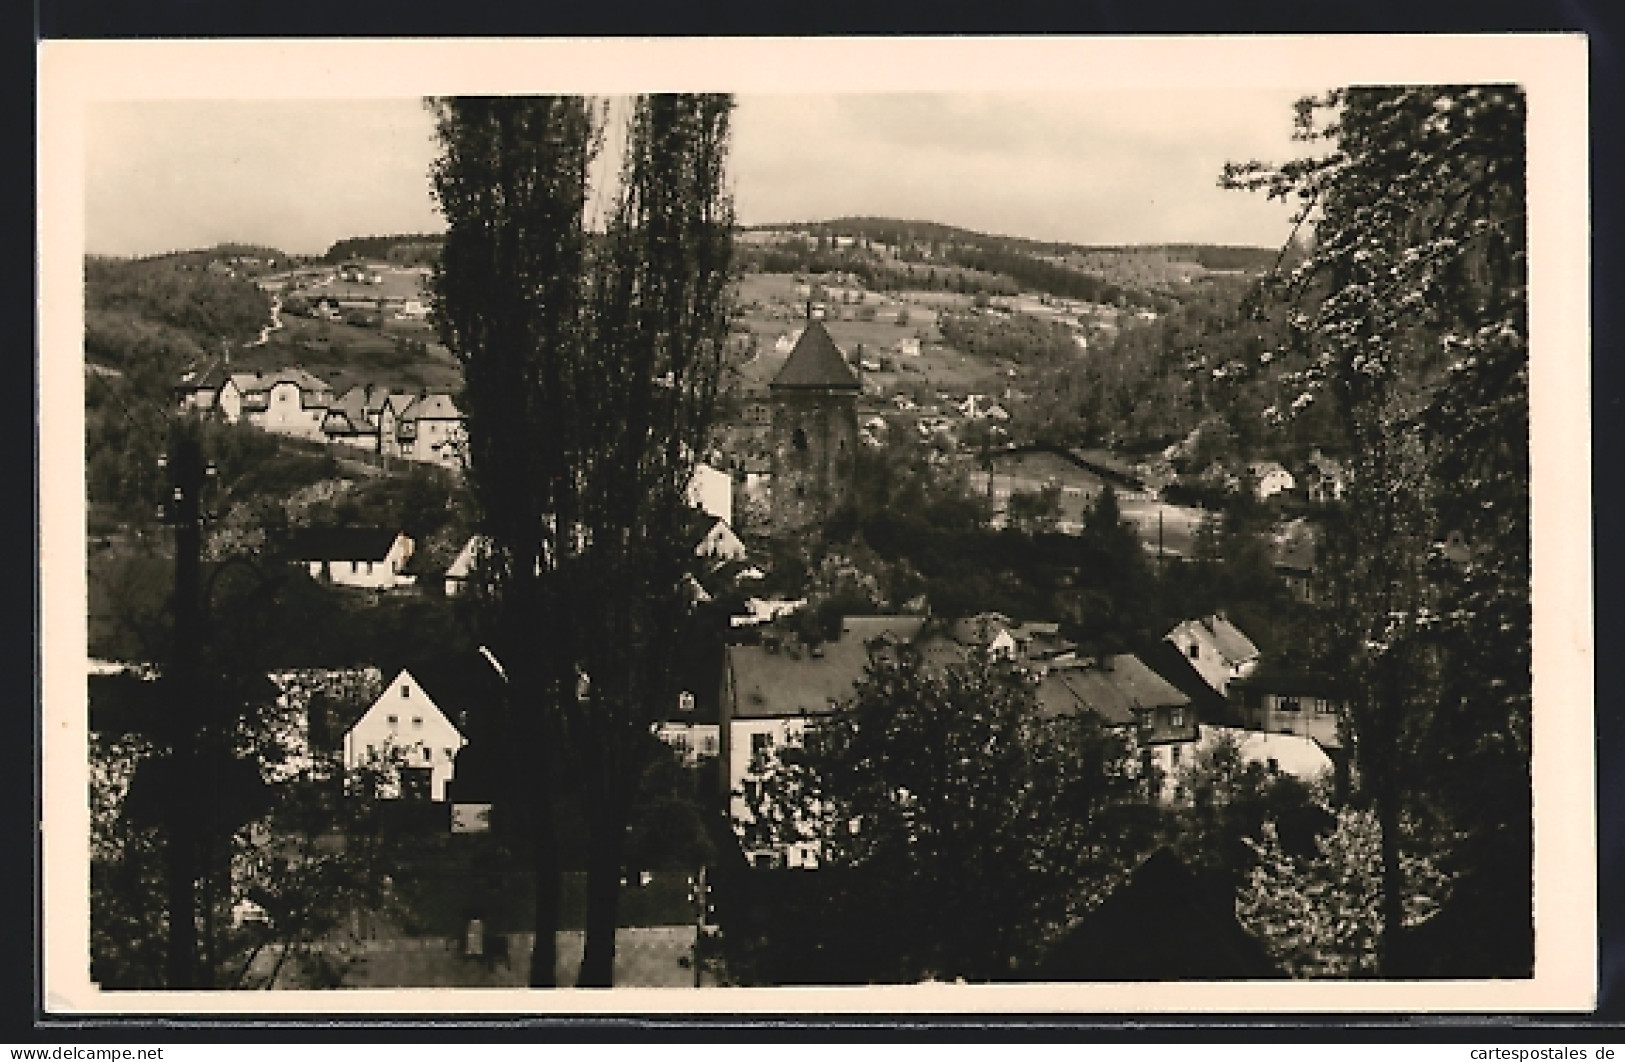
(1390,962)
(603,896)
(544,957)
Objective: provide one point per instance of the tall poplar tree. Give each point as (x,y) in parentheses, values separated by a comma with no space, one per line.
(659,321)
(510,295)
(591,365)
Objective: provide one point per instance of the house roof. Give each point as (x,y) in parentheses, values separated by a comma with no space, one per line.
(699,669)
(398,403)
(464,686)
(252,382)
(341,543)
(694,524)
(1234,646)
(432,407)
(1112,687)
(1174,667)
(1274,677)
(816,363)
(793,681)
(349,413)
(1166,922)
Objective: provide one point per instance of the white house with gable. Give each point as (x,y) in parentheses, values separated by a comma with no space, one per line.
(1216,649)
(405,718)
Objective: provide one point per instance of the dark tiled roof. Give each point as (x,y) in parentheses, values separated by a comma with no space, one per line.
(340,543)
(1164,923)
(1273,677)
(784,684)
(816,362)
(1175,667)
(1113,688)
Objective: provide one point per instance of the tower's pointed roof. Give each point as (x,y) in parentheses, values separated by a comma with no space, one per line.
(816,362)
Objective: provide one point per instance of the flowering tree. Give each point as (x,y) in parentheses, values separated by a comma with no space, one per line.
(1323,916)
(1410,313)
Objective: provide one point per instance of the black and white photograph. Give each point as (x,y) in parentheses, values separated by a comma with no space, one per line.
(1004,525)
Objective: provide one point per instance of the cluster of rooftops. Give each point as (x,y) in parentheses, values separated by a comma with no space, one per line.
(294,401)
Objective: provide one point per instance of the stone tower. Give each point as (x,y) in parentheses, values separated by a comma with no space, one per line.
(815,431)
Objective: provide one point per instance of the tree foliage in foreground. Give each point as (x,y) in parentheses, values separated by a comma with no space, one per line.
(960,831)
(1322,915)
(1412,310)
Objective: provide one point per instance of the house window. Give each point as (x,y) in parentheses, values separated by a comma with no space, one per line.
(799,439)
(355,566)
(417,722)
(1173,754)
(760,743)
(426,755)
(1194,651)
(1289,704)
(394,720)
(406,690)
(1176,718)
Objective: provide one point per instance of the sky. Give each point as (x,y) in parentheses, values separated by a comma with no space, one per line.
(1095,168)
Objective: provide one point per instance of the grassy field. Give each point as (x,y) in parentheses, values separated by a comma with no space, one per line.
(347,355)
(773,307)
(394,283)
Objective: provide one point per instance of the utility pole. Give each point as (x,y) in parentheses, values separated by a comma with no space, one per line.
(183,511)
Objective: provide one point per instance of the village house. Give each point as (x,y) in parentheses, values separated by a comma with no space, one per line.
(371,558)
(352,418)
(1293,554)
(711,490)
(771,691)
(1300,757)
(1216,648)
(1123,693)
(1269,478)
(1278,700)
(430,430)
(408,721)
(1325,479)
(689,721)
(711,538)
(286,402)
(462,567)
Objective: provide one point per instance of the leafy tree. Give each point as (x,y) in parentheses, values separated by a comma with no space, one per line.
(1417,331)
(1035,511)
(960,830)
(1323,916)
(1223,802)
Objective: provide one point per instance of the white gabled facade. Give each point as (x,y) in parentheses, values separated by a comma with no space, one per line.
(711,490)
(404,717)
